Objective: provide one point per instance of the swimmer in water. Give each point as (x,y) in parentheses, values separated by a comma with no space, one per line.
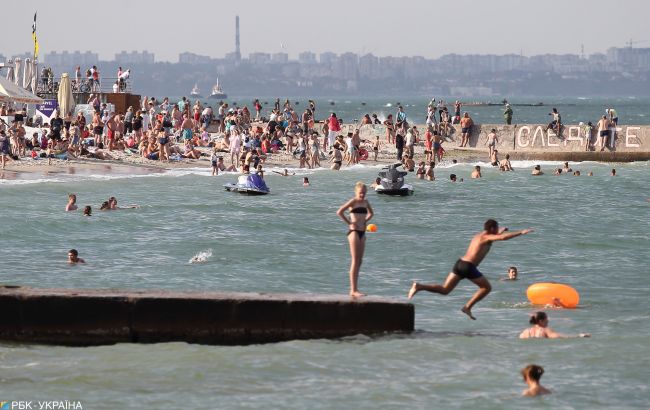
(72,203)
(613,173)
(467,266)
(376,183)
(476,173)
(537,171)
(88,210)
(285,173)
(532,374)
(540,329)
(73,257)
(360,212)
(305,181)
(112,202)
(512,274)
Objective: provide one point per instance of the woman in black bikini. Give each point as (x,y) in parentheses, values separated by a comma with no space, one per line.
(360,212)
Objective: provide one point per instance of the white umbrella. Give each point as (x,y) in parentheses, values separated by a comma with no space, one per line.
(18,63)
(27,74)
(34,76)
(10,72)
(66,101)
(11,92)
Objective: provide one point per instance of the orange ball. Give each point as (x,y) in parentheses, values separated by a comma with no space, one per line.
(371,228)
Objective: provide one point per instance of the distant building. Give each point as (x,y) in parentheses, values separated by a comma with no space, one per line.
(328,57)
(191,58)
(70,60)
(307,57)
(134,57)
(259,58)
(280,58)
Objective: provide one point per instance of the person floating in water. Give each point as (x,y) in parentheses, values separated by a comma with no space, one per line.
(467,266)
(532,374)
(360,212)
(512,274)
(73,257)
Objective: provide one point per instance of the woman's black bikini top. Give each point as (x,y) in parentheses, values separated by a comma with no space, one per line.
(359,210)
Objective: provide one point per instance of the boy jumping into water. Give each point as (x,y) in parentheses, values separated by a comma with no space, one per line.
(467,266)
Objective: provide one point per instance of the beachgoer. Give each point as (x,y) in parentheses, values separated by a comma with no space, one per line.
(613,172)
(376,183)
(334,128)
(214,159)
(540,329)
(566,168)
(556,123)
(466,124)
(476,173)
(421,171)
(512,274)
(532,374)
(305,181)
(5,147)
(88,210)
(491,141)
(73,257)
(72,203)
(285,173)
(537,170)
(360,212)
(467,266)
(505,164)
(429,172)
(375,147)
(507,114)
(452,177)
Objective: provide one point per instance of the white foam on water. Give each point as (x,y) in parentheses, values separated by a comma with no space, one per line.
(201,257)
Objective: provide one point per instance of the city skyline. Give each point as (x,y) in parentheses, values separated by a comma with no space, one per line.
(430,30)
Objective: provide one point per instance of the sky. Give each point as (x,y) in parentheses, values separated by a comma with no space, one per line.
(427,28)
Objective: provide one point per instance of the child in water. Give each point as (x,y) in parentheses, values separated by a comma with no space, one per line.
(532,374)
(305,181)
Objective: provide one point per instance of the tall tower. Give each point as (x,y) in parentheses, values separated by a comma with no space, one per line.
(237,50)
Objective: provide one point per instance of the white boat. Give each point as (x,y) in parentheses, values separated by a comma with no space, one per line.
(196,93)
(217,92)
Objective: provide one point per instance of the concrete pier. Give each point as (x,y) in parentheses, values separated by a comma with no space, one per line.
(79,317)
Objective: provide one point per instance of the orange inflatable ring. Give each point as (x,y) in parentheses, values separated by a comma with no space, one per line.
(543,294)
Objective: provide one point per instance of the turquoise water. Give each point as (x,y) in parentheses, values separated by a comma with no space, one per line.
(591,232)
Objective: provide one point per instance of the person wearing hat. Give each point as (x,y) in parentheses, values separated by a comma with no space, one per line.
(507,114)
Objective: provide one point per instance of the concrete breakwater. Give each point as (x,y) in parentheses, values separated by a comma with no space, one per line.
(631,142)
(78,317)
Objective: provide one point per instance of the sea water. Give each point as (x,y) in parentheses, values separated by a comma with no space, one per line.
(590,232)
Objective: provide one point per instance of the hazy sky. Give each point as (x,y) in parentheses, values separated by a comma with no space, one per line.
(404,27)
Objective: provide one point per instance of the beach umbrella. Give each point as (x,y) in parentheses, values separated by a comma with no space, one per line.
(66,101)
(10,72)
(34,76)
(27,74)
(11,92)
(18,74)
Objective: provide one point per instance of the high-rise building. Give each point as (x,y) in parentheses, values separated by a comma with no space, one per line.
(134,57)
(237,50)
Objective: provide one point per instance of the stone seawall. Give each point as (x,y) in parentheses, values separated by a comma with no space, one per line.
(632,142)
(95,317)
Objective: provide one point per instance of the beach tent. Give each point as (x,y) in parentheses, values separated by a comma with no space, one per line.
(11,92)
(66,101)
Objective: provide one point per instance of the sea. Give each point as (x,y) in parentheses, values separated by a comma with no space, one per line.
(527,110)
(188,233)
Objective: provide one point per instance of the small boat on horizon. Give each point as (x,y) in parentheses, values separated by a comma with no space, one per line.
(196,93)
(217,92)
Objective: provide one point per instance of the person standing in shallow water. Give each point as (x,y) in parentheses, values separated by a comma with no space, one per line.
(360,212)
(467,266)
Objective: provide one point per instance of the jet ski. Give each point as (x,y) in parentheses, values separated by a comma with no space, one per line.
(248,185)
(392,182)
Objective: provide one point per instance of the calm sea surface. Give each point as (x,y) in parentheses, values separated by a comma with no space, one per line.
(591,233)
(631,110)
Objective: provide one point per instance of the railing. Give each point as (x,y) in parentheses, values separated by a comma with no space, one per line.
(85,86)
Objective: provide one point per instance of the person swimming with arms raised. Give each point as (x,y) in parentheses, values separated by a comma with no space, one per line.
(284,173)
(467,266)
(360,212)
